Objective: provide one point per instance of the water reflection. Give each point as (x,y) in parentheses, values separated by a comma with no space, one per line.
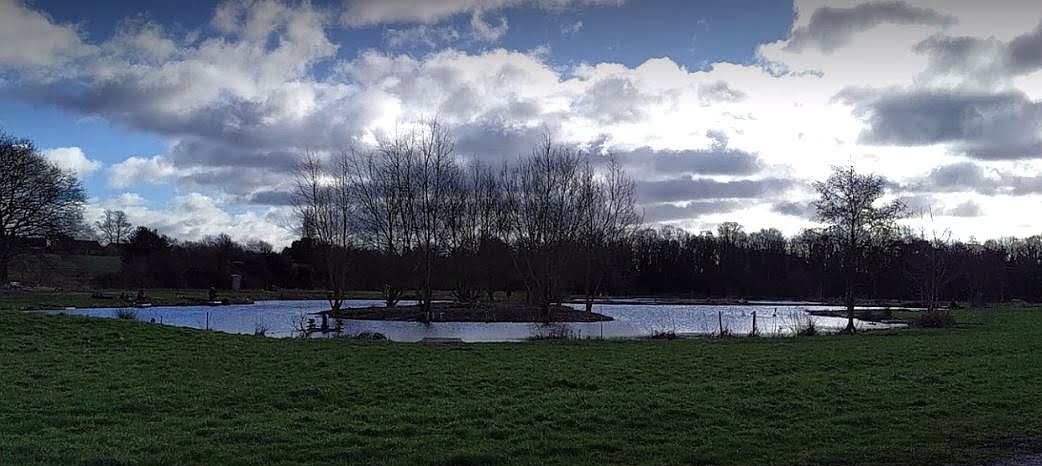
(284,318)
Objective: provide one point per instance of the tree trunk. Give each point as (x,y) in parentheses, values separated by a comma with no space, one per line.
(5,262)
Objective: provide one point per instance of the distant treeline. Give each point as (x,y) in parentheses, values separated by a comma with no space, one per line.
(726,263)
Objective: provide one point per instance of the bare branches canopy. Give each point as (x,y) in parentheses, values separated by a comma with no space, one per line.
(427,211)
(848,204)
(36,198)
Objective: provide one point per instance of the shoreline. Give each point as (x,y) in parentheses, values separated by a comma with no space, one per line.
(475,313)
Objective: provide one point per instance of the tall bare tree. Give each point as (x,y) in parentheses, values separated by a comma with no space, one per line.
(847,204)
(933,266)
(544,194)
(325,208)
(404,189)
(36,198)
(434,171)
(607,218)
(379,182)
(114,227)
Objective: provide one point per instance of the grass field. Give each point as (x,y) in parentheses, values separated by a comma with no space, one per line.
(105,392)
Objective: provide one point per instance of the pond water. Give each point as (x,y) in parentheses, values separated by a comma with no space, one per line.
(283,318)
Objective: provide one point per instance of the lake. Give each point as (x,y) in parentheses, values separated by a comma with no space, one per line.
(282,319)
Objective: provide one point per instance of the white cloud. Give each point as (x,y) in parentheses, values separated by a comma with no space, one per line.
(31,38)
(141,170)
(241,105)
(572,28)
(194,216)
(72,159)
(369,12)
(486,31)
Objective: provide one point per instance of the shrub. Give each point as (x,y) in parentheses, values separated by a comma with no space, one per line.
(803,325)
(664,335)
(260,329)
(126,314)
(937,318)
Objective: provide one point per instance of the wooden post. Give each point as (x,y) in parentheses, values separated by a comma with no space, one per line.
(755,330)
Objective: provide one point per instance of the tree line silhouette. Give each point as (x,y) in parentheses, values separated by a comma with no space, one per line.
(409,217)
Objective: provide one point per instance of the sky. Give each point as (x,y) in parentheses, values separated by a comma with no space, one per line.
(190,116)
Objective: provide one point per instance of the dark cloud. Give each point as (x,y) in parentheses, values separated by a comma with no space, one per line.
(986,126)
(668,212)
(1025,52)
(917,204)
(967,177)
(688,188)
(718,159)
(241,182)
(803,210)
(195,152)
(614,100)
(960,177)
(273,198)
(966,209)
(986,61)
(721,161)
(831,28)
(964,60)
(718,91)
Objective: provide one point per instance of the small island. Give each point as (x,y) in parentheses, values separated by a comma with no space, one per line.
(471,312)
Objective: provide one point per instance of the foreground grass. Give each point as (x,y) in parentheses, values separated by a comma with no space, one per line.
(104,392)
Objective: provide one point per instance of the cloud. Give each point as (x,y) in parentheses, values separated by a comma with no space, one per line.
(668,212)
(718,159)
(423,35)
(195,216)
(1025,52)
(72,159)
(688,188)
(804,210)
(1003,125)
(485,31)
(831,28)
(141,170)
(969,177)
(965,209)
(370,12)
(572,28)
(31,38)
(893,88)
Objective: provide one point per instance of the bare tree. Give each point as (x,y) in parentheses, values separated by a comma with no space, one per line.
(544,195)
(380,187)
(36,198)
(325,208)
(434,171)
(933,268)
(847,204)
(607,219)
(404,189)
(114,227)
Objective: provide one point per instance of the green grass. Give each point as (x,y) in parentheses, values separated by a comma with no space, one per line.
(78,391)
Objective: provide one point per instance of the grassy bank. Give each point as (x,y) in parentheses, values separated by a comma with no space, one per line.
(105,392)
